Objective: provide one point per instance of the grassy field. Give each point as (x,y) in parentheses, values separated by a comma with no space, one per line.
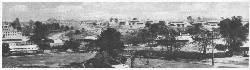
(45,60)
(60,59)
(158,63)
(186,63)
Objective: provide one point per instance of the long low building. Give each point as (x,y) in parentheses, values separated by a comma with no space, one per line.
(17,42)
(23,47)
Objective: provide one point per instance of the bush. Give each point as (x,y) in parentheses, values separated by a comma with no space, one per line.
(5,49)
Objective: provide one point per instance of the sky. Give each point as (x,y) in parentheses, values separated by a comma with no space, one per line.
(41,11)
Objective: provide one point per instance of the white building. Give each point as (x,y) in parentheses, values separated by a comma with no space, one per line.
(57,42)
(244,22)
(17,42)
(211,24)
(185,37)
(23,47)
(135,24)
(199,22)
(70,23)
(11,35)
(90,37)
(180,24)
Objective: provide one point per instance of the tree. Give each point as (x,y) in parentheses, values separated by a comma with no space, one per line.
(94,23)
(190,19)
(77,32)
(110,41)
(16,24)
(57,26)
(200,35)
(40,35)
(150,33)
(246,28)
(234,32)
(168,33)
(27,30)
(74,45)
(110,45)
(43,45)
(221,47)
(131,38)
(38,32)
(70,33)
(66,28)
(111,19)
(62,27)
(147,24)
(135,18)
(198,18)
(31,23)
(116,20)
(71,27)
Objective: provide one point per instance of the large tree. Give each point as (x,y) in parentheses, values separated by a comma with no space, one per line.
(201,36)
(130,38)
(110,41)
(110,45)
(234,32)
(151,33)
(40,35)
(16,24)
(28,29)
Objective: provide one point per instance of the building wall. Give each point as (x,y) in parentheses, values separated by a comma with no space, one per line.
(10,33)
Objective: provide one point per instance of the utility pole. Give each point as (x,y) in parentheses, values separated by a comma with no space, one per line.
(132,57)
(213,37)
(132,60)
(151,44)
(212,48)
(147,62)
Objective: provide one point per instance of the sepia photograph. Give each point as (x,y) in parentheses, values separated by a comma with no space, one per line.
(125,34)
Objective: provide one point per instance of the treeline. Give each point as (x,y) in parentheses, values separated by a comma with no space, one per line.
(56,26)
(28,30)
(232,30)
(41,31)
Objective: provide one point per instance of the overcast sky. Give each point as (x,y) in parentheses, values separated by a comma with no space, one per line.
(165,10)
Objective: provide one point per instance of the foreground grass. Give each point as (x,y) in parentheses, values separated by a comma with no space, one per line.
(158,63)
(45,60)
(229,62)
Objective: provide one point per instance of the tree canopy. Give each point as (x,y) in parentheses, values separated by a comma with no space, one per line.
(16,24)
(74,45)
(201,36)
(40,35)
(110,41)
(234,32)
